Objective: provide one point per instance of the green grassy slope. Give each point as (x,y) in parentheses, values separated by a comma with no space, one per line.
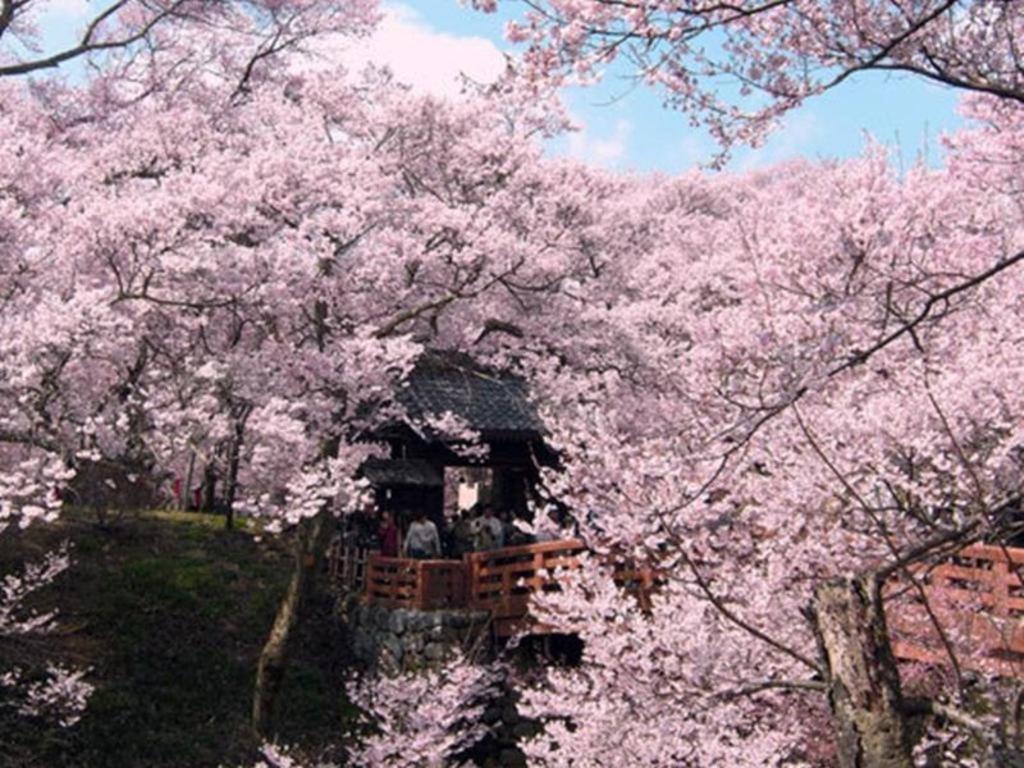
(170,611)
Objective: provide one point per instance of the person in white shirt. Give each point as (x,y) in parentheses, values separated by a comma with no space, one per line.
(421,540)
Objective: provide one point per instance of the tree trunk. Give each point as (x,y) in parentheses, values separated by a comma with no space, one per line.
(232,479)
(209,489)
(863,681)
(186,492)
(273,659)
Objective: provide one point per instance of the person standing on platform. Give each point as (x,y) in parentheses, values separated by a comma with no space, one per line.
(488,532)
(389,537)
(422,541)
(462,535)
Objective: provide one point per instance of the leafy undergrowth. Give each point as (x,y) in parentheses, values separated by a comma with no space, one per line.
(169,611)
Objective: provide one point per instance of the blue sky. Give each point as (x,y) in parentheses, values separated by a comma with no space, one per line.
(906,114)
(428,41)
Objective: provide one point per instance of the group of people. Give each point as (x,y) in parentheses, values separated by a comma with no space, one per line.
(476,529)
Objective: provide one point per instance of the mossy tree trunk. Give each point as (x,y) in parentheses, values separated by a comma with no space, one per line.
(871,728)
(270,670)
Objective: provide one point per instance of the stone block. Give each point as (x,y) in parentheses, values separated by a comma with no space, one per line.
(412,643)
(397,621)
(418,620)
(393,646)
(434,652)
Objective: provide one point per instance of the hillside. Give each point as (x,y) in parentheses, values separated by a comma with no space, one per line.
(169,611)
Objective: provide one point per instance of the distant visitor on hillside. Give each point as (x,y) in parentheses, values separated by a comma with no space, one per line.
(422,541)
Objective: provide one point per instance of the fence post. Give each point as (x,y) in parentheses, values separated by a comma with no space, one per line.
(419,595)
(370,576)
(473,574)
(506,590)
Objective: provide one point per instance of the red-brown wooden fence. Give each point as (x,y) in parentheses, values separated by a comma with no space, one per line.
(977,599)
(425,585)
(502,580)
(977,596)
(498,581)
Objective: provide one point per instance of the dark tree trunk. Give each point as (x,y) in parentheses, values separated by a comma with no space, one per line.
(273,659)
(186,491)
(863,681)
(209,489)
(231,487)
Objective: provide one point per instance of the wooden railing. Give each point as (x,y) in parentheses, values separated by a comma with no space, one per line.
(976,597)
(425,585)
(442,584)
(977,600)
(502,580)
(346,567)
(498,581)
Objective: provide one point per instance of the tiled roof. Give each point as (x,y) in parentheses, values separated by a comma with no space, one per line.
(493,404)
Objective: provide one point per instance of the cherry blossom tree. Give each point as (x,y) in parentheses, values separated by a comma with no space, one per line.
(755,424)
(32,464)
(187,288)
(840,368)
(759,423)
(142,29)
(779,407)
(81,371)
(778,388)
(425,718)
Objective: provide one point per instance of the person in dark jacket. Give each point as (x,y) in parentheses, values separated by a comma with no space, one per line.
(390,540)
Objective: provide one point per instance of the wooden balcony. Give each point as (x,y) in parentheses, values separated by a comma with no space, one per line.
(976,597)
(498,581)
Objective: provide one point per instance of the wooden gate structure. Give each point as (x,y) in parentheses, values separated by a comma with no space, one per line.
(346,567)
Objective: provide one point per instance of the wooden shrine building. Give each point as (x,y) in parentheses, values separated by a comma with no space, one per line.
(422,462)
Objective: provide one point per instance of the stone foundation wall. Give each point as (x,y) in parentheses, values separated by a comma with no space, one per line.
(402,639)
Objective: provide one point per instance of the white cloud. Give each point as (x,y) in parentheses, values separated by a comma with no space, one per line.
(800,130)
(608,150)
(421,56)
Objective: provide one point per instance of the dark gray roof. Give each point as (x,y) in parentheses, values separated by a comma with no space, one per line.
(494,404)
(384,472)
